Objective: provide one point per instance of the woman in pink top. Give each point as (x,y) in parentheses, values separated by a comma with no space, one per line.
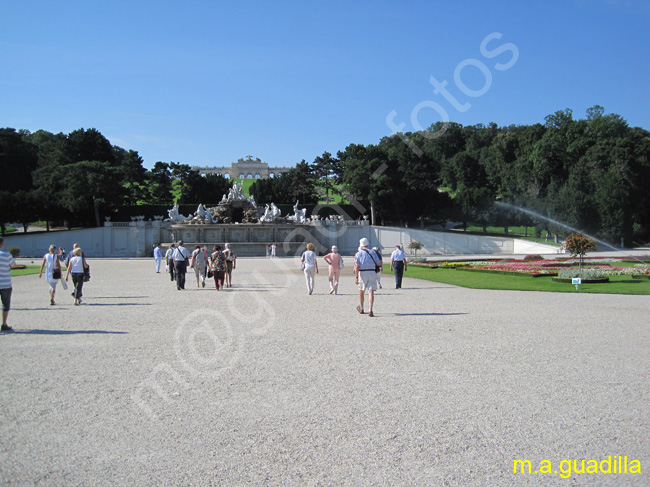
(335,262)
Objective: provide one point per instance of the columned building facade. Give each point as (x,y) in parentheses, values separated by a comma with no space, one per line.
(247,168)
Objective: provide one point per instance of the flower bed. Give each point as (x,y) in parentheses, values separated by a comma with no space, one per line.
(505,272)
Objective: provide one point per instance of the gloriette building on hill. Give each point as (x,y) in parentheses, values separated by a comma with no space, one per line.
(248,168)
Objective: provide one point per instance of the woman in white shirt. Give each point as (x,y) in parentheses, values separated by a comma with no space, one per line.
(51,262)
(311,266)
(76,267)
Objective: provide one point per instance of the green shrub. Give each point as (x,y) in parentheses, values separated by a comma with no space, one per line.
(584,274)
(14,251)
(533,257)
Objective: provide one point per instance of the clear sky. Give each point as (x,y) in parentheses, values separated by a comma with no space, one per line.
(208,82)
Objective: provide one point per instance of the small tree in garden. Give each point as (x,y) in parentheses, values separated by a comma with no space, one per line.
(415,246)
(578,244)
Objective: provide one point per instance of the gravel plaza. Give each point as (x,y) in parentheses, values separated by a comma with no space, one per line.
(262,384)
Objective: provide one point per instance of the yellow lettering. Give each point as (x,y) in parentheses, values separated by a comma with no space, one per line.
(635,466)
(523,464)
(575,467)
(592,466)
(607,462)
(545,466)
(565,468)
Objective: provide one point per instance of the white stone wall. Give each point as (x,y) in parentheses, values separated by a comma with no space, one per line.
(136,239)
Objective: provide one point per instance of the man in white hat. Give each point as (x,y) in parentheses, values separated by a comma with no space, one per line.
(365,272)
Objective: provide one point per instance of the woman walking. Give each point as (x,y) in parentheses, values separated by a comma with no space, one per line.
(52,265)
(199,263)
(218,267)
(311,266)
(335,263)
(76,268)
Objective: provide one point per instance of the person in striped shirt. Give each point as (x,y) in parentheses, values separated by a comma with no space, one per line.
(7,263)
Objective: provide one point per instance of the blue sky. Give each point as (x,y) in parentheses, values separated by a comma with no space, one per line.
(202,82)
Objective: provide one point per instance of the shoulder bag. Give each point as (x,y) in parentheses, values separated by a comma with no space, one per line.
(377,266)
(56,267)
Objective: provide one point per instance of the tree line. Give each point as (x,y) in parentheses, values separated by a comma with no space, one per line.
(592,174)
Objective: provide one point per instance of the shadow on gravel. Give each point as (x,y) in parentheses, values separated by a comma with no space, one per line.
(428,314)
(120,297)
(53,308)
(67,332)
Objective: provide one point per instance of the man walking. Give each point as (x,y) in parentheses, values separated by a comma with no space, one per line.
(7,263)
(157,255)
(398,264)
(169,260)
(181,258)
(365,264)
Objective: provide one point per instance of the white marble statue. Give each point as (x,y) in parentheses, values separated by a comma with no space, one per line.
(236,192)
(266,217)
(275,212)
(299,216)
(202,212)
(175,216)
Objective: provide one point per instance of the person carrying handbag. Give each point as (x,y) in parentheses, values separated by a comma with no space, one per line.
(76,267)
(52,265)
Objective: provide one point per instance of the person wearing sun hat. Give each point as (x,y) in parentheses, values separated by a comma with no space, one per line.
(365,265)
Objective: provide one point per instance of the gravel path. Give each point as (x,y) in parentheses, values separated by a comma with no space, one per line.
(262,384)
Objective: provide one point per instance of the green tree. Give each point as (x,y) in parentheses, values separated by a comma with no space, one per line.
(303,186)
(160,184)
(17,160)
(90,189)
(207,189)
(180,174)
(326,170)
(89,145)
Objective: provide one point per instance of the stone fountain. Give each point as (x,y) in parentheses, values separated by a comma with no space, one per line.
(238,219)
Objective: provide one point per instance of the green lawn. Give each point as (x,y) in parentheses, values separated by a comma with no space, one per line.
(485,280)
(30,269)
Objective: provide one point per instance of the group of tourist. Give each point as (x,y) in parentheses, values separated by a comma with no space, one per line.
(368,265)
(218,265)
(76,266)
(52,264)
(271,250)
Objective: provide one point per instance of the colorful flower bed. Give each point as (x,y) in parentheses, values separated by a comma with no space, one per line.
(542,267)
(552,267)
